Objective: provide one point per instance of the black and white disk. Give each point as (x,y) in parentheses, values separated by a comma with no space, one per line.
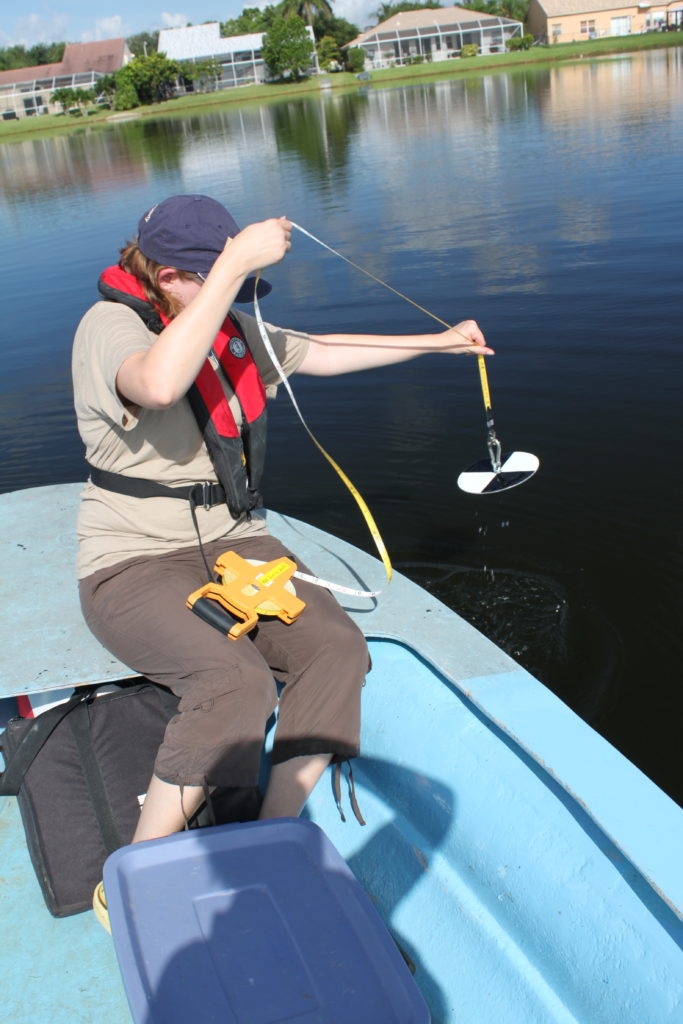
(515,469)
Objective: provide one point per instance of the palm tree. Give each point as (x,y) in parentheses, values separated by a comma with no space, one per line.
(515,9)
(307,9)
(387,9)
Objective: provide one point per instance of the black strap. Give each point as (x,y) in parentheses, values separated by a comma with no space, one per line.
(204,493)
(80,726)
(193,513)
(39,729)
(32,741)
(352,792)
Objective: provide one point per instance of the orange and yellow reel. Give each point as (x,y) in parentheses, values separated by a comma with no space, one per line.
(248,588)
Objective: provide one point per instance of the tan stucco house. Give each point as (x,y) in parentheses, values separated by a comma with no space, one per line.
(569,21)
(25,92)
(434,34)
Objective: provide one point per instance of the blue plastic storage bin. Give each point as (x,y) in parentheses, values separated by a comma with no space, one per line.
(261,923)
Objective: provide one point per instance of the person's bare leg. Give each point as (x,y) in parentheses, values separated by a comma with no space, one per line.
(290,785)
(162,812)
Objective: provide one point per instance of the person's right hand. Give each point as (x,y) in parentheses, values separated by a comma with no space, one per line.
(262,244)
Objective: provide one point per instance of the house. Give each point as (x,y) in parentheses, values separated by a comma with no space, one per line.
(238,57)
(569,21)
(433,35)
(25,92)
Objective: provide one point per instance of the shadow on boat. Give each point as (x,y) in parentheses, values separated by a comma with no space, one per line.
(397,856)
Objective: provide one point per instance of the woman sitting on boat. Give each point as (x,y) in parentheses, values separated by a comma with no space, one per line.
(170,389)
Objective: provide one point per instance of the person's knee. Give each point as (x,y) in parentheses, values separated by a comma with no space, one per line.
(218,733)
(343,640)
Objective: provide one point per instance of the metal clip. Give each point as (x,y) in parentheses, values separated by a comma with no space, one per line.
(493,445)
(206,494)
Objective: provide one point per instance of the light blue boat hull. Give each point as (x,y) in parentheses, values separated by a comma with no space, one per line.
(529,870)
(514,906)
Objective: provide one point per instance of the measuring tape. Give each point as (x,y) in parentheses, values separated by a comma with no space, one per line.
(357,496)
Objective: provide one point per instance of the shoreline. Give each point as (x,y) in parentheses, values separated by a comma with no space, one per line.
(29,127)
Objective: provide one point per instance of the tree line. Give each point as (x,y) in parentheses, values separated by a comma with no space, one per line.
(12,57)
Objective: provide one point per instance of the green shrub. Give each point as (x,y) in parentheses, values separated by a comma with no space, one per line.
(126,97)
(355,59)
(469,50)
(152,78)
(524,42)
(328,54)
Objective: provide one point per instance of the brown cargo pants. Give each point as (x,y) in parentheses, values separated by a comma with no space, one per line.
(227,688)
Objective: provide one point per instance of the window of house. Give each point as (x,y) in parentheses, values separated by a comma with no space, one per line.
(587,28)
(32,105)
(557,30)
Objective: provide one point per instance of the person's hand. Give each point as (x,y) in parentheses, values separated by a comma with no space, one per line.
(262,244)
(468,337)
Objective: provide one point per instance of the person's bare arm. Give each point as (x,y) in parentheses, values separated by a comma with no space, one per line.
(330,354)
(160,376)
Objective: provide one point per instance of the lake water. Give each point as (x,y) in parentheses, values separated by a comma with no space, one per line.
(546,204)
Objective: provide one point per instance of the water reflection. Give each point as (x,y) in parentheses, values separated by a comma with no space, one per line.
(319,131)
(47,168)
(621,89)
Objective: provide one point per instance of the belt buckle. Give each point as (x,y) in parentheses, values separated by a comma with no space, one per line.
(206,494)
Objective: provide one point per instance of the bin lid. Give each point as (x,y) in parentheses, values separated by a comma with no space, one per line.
(260,922)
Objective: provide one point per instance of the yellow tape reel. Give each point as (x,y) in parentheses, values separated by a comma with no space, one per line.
(250,588)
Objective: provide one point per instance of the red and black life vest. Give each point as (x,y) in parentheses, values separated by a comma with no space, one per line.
(237,452)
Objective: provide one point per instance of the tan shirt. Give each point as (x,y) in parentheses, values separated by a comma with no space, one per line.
(163,445)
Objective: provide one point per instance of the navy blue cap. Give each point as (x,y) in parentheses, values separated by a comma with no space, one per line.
(189,233)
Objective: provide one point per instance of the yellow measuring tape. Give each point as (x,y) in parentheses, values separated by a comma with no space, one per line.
(484,382)
(360,501)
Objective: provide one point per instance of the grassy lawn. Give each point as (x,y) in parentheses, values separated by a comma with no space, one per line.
(471,66)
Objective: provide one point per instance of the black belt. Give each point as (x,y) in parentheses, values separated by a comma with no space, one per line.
(204,493)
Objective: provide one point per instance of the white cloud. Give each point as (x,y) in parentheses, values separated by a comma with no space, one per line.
(105,28)
(174,20)
(358,12)
(36,28)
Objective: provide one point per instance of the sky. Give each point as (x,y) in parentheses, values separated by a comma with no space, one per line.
(81,21)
